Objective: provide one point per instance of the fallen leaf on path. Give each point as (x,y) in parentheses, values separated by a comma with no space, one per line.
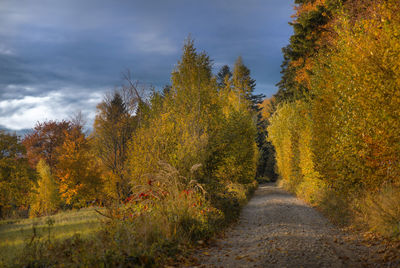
(241,257)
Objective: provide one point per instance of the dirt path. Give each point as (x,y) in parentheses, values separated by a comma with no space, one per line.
(276,229)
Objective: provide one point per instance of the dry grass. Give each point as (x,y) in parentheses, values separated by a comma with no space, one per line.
(14,233)
(381,212)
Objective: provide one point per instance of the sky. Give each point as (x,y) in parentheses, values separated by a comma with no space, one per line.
(58,57)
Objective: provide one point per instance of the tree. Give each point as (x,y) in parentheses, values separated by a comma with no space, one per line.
(44,140)
(244,85)
(234,151)
(339,147)
(242,82)
(16,177)
(267,163)
(223,76)
(45,198)
(118,115)
(77,171)
(312,29)
(181,120)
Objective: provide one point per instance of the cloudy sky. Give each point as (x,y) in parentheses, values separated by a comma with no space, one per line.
(60,56)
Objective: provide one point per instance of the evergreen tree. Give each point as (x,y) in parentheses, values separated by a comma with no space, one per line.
(223,75)
(113,128)
(311,29)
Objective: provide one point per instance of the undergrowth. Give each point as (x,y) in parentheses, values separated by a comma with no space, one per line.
(166,217)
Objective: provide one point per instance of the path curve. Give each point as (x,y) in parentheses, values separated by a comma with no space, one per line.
(276,229)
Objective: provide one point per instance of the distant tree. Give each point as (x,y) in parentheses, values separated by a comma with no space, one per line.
(44,140)
(77,171)
(16,177)
(223,75)
(242,82)
(166,90)
(45,198)
(118,115)
(266,166)
(244,85)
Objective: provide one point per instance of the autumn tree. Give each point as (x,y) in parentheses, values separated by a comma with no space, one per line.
(44,140)
(77,171)
(16,177)
(356,103)
(196,123)
(313,30)
(338,146)
(242,82)
(45,198)
(118,115)
(180,121)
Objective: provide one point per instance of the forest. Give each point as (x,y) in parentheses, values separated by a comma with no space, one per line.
(164,170)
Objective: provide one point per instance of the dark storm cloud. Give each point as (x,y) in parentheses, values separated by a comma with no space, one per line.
(57,57)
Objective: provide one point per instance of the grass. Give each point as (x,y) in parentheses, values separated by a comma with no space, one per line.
(162,221)
(380,212)
(14,233)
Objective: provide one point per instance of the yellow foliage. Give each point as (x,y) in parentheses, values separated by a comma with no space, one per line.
(77,172)
(291,134)
(343,141)
(381,211)
(45,199)
(197,124)
(356,110)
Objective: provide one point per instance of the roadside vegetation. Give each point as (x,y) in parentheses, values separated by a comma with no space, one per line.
(336,128)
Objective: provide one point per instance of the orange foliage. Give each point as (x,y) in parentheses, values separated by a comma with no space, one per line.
(267,107)
(307,7)
(303,73)
(44,140)
(78,173)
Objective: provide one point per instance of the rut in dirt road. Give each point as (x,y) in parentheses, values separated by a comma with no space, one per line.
(276,229)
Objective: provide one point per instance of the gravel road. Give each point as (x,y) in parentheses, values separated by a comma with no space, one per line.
(277,229)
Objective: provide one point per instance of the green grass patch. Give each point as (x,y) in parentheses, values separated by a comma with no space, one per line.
(14,233)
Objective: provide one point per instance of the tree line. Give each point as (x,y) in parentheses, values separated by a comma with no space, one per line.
(213,121)
(336,123)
